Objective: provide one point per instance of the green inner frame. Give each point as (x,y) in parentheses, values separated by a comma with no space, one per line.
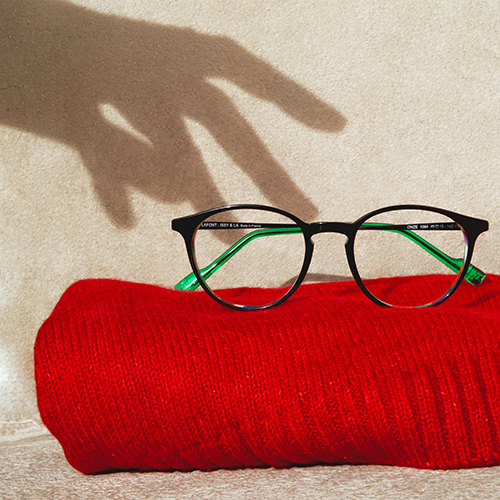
(474,276)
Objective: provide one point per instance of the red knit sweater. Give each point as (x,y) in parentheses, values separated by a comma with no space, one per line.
(138,377)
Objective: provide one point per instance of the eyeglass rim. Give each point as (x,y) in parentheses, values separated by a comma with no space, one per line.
(187,226)
(471,228)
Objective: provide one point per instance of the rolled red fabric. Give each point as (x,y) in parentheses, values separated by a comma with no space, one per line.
(138,377)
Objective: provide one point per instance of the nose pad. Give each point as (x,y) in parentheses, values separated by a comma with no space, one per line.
(329,262)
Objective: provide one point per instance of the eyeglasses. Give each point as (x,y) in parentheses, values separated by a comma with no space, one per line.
(235,249)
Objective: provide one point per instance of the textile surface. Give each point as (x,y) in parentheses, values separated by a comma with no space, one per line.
(138,377)
(117,116)
(36,468)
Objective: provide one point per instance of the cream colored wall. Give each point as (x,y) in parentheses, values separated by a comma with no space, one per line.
(118,115)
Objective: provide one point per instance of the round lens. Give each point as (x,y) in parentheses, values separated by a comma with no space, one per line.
(425,249)
(249,257)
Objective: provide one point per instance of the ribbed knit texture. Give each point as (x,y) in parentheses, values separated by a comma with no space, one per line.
(138,377)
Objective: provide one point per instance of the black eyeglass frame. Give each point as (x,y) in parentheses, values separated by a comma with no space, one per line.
(187,226)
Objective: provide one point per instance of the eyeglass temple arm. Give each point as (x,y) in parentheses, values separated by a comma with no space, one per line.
(474,276)
(190,282)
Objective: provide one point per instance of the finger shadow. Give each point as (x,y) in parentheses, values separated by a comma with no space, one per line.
(61,64)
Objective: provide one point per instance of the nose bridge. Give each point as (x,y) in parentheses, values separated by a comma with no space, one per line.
(329,260)
(333,227)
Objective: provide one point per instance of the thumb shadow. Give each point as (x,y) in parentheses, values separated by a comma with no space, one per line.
(118,91)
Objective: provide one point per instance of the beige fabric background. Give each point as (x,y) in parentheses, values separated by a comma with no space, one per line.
(44,472)
(118,115)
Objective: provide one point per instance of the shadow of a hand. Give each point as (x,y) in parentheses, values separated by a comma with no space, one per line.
(64,67)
